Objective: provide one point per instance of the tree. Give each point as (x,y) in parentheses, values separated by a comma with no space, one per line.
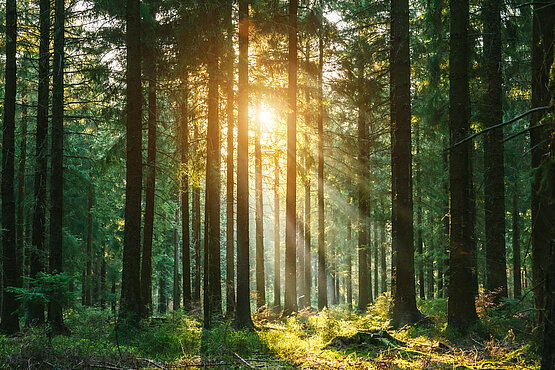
(277,257)
(494,191)
(9,320)
(259,216)
(55,317)
(36,311)
(130,306)
(404,298)
(290,304)
(243,312)
(461,309)
(185,235)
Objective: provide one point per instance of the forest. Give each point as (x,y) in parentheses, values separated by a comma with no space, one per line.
(277,184)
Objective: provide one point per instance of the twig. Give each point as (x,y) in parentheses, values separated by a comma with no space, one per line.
(151,362)
(242,360)
(478,343)
(499,125)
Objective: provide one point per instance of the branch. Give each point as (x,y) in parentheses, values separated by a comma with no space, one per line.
(533,110)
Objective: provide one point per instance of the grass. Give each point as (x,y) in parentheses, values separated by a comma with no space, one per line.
(178,340)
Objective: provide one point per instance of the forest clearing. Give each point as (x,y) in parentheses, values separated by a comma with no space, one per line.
(327,184)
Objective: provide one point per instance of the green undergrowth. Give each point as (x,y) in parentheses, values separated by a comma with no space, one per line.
(502,340)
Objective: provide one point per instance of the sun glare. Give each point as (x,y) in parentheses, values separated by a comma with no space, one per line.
(266,119)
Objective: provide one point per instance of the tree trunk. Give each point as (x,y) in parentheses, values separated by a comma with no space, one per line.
(376,260)
(243,311)
(230,224)
(461,308)
(291,190)
(259,212)
(383,263)
(542,211)
(307,236)
(322,277)
(196,224)
(404,298)
(494,186)
(148,227)
(162,297)
(185,220)
(88,274)
(9,321)
(130,306)
(20,226)
(176,278)
(277,254)
(300,254)
(36,311)
(103,277)
(349,250)
(516,245)
(55,317)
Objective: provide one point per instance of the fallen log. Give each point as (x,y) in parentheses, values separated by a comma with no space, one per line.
(367,338)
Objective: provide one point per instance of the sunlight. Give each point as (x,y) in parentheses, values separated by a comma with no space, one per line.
(266,119)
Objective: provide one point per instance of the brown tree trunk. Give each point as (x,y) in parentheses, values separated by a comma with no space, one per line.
(259,212)
(176,278)
(22,259)
(404,298)
(290,305)
(307,236)
(196,224)
(516,245)
(9,323)
(461,309)
(88,271)
(185,219)
(130,306)
(277,254)
(349,250)
(383,263)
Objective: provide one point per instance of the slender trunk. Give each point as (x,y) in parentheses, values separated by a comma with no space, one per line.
(185,220)
(419,241)
(103,277)
(430,247)
(542,210)
(55,317)
(376,260)
(36,311)
(22,259)
(291,190)
(300,254)
(349,251)
(259,212)
(162,297)
(9,323)
(516,245)
(443,266)
(243,311)
(148,227)
(307,236)
(383,263)
(494,186)
(322,277)
(176,278)
(88,276)
(277,254)
(229,93)
(130,286)
(196,224)
(461,308)
(404,298)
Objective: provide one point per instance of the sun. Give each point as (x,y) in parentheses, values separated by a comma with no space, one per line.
(266,119)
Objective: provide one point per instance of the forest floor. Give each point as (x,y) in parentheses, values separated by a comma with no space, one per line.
(504,340)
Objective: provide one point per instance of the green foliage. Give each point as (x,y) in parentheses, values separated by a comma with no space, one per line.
(45,288)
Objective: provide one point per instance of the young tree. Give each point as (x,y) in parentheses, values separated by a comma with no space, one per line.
(404,298)
(130,306)
(9,322)
(461,309)
(243,311)
(494,187)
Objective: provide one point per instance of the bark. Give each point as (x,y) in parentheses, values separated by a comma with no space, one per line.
(243,312)
(55,317)
(404,298)
(148,228)
(494,188)
(103,277)
(37,254)
(376,260)
(176,278)
(461,308)
(162,297)
(300,255)
(229,93)
(290,305)
(349,251)
(9,323)
(130,306)
(419,241)
(196,225)
(383,264)
(542,210)
(22,259)
(277,254)
(259,213)
(322,277)
(307,236)
(516,246)
(88,270)
(185,220)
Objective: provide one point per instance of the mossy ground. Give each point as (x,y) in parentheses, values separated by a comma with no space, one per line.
(503,341)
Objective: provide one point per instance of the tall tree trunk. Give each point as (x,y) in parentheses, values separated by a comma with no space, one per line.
(542,210)
(322,277)
(148,227)
(9,323)
(461,309)
(185,220)
(300,254)
(196,223)
(243,311)
(419,241)
(494,186)
(443,267)
(55,317)
(277,254)
(103,277)
(376,259)
(162,297)
(213,295)
(307,236)
(130,305)
(290,305)
(383,263)
(404,299)
(516,245)
(37,256)
(259,212)
(349,254)
(88,271)
(20,226)
(176,278)
(230,224)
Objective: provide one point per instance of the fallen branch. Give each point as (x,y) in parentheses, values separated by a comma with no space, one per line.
(242,360)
